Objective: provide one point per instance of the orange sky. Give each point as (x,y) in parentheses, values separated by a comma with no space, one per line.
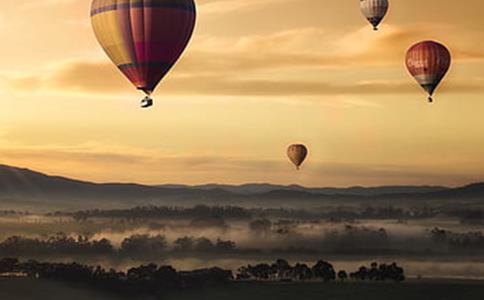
(257,76)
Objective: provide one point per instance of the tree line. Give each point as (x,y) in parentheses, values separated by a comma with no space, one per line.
(137,245)
(235,212)
(335,214)
(467,241)
(143,280)
(153,279)
(163,212)
(322,270)
(352,238)
(10,213)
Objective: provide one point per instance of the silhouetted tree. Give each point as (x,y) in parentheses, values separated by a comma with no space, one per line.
(342,275)
(186,243)
(143,244)
(324,270)
(260,226)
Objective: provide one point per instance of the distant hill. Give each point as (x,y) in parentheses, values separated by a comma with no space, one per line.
(27,186)
(21,187)
(259,188)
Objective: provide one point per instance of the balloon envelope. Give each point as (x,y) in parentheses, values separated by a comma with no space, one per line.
(428,62)
(374,11)
(297,154)
(144,38)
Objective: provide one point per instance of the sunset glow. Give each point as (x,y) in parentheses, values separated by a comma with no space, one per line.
(257,77)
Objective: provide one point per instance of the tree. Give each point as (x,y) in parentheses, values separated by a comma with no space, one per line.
(260,226)
(184,244)
(324,270)
(203,245)
(225,246)
(143,244)
(342,275)
(302,272)
(282,269)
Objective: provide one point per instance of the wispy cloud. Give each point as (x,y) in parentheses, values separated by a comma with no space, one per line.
(225,6)
(102,78)
(261,66)
(154,168)
(46,3)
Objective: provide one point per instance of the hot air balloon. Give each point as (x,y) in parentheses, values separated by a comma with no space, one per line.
(297,154)
(143,38)
(428,62)
(374,11)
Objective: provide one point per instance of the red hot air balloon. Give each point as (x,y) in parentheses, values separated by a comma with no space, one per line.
(374,11)
(297,154)
(144,38)
(428,62)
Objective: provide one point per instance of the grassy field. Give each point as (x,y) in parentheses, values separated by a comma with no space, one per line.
(348,291)
(26,289)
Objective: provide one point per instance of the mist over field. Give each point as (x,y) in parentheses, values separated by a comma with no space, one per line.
(430,247)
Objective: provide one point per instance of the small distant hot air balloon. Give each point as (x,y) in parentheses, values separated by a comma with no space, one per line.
(144,38)
(374,11)
(297,154)
(428,62)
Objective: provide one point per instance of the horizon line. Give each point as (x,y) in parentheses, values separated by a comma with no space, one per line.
(235,184)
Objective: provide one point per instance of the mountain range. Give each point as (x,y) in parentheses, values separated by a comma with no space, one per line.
(20,187)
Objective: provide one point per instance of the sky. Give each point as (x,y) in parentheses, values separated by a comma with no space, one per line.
(256,77)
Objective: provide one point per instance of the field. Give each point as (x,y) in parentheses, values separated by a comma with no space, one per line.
(26,289)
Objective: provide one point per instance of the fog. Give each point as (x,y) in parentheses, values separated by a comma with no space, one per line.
(438,246)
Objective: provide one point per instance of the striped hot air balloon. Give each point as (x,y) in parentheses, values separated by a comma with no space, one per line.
(428,62)
(374,11)
(144,38)
(297,153)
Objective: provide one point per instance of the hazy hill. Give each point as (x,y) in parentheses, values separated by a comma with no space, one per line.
(26,188)
(259,188)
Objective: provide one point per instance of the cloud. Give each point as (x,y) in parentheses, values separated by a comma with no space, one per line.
(103,78)
(204,6)
(292,62)
(153,168)
(314,48)
(225,6)
(43,3)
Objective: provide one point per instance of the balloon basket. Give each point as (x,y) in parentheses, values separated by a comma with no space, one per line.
(146,102)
